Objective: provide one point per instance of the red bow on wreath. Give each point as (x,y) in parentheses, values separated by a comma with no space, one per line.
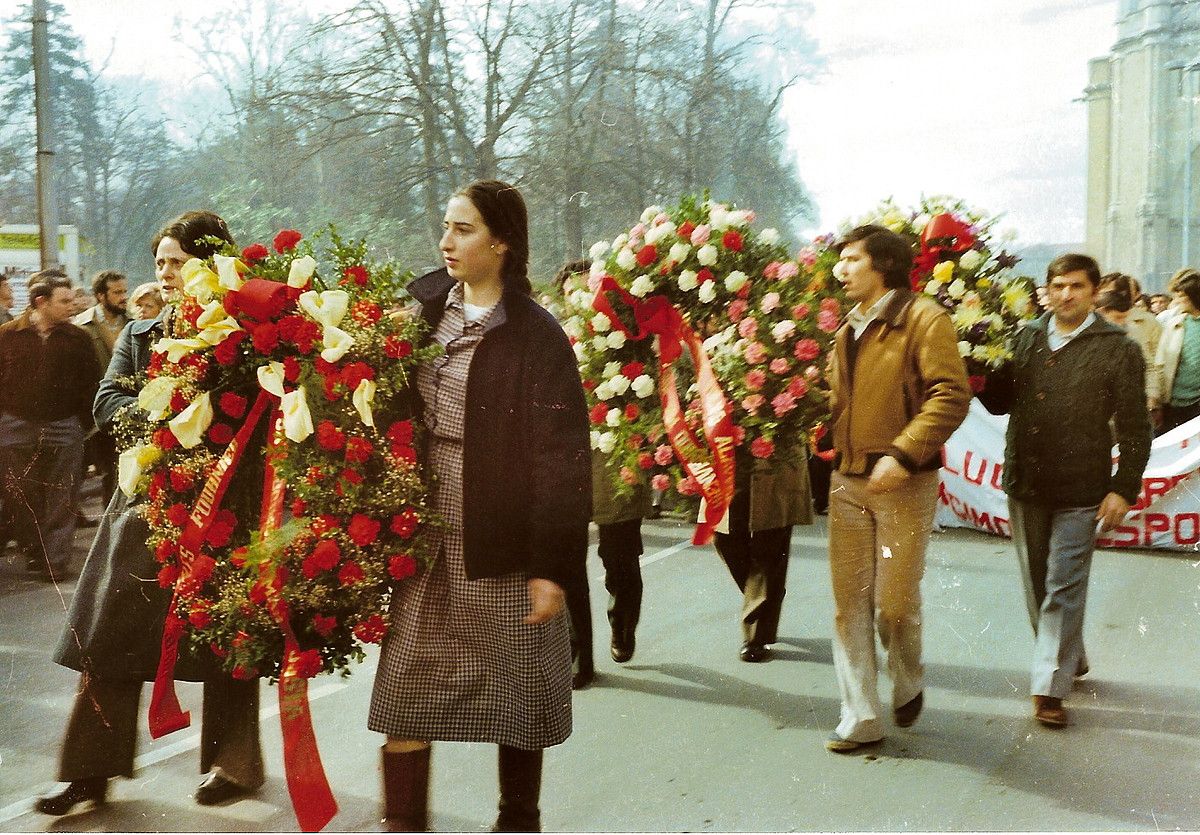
(943,235)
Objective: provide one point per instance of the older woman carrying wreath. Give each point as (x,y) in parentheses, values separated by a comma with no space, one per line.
(115,624)
(478,648)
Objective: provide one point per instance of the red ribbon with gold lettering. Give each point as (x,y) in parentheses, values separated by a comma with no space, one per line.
(711,463)
(312,799)
(165,715)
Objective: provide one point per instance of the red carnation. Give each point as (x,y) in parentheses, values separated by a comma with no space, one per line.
(807,349)
(633,370)
(254,252)
(686,229)
(289,326)
(645,460)
(226,353)
(201,569)
(632,411)
(232,404)
(291,369)
(329,436)
(244,673)
(732,240)
(220,434)
(401,432)
(306,336)
(404,524)
(265,337)
(177,515)
(598,413)
(762,448)
(401,566)
(350,574)
(299,506)
(396,348)
(287,239)
(356,274)
(351,476)
(181,480)
(325,523)
(704,275)
(199,619)
(647,255)
(366,312)
(371,630)
(179,401)
(324,625)
(404,454)
(308,663)
(165,550)
(362,530)
(358,450)
(355,372)
(167,575)
(324,557)
(326,368)
(164,438)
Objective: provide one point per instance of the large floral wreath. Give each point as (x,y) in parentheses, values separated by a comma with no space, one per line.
(698,281)
(284,496)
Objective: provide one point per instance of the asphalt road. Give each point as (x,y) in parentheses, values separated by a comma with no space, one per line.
(685,737)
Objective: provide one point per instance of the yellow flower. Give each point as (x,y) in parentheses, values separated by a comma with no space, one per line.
(297,421)
(228,271)
(944,272)
(199,281)
(155,397)
(129,470)
(327,307)
(176,349)
(363,396)
(190,425)
(983,283)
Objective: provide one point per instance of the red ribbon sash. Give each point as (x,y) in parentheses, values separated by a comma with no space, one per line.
(165,715)
(711,463)
(312,799)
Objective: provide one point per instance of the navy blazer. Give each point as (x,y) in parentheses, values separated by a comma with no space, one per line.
(527,490)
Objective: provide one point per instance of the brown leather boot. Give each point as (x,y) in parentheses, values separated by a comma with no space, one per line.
(406,790)
(520,789)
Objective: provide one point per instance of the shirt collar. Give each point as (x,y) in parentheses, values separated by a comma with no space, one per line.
(859,317)
(493,319)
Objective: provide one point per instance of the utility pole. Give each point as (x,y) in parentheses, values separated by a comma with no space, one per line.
(47,198)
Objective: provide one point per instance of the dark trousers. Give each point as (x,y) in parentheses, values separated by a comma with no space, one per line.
(758,563)
(620,547)
(819,471)
(101,736)
(1178,415)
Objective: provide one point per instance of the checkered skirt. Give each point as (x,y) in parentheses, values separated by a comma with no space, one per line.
(457,662)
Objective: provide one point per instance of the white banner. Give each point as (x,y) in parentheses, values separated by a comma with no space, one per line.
(1167,514)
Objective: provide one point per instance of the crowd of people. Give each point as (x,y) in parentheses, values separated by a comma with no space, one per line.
(487,644)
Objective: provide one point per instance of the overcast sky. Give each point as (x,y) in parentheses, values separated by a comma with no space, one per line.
(936,96)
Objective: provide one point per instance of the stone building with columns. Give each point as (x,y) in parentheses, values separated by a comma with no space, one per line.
(1143,132)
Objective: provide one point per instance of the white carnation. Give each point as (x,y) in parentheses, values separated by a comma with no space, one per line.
(656,233)
(615,340)
(580,351)
(620,241)
(782,331)
(688,280)
(739,217)
(601,323)
(679,251)
(603,391)
(707,255)
(770,237)
(613,418)
(650,212)
(607,442)
(641,286)
(920,222)
(718,216)
(595,439)
(611,369)
(600,343)
(708,291)
(599,250)
(597,268)
(970,260)
(735,281)
(957,288)
(573,327)
(643,386)
(964,348)
(626,260)
(619,384)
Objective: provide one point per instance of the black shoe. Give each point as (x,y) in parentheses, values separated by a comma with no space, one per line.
(754,653)
(218,788)
(907,713)
(94,789)
(623,645)
(582,678)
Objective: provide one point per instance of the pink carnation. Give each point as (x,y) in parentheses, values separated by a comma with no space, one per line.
(637,231)
(788,269)
(700,234)
(748,327)
(797,388)
(660,482)
(800,311)
(762,448)
(831,304)
(811,373)
(753,402)
(664,455)
(594,281)
(783,403)
(769,302)
(807,256)
(628,476)
(737,309)
(771,270)
(755,353)
(739,435)
(827,321)
(807,349)
(780,365)
(756,378)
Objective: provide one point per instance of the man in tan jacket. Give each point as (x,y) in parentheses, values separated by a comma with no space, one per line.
(899,390)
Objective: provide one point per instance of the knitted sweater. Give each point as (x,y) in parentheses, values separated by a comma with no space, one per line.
(1059,443)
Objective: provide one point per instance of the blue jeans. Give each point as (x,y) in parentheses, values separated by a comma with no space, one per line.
(39,472)
(1054,548)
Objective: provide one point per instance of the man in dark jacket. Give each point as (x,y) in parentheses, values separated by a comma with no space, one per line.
(48,376)
(1072,373)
